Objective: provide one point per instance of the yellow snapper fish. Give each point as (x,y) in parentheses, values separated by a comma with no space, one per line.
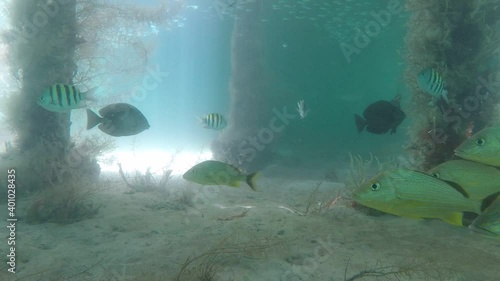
(413,194)
(489,221)
(213,172)
(482,147)
(478,180)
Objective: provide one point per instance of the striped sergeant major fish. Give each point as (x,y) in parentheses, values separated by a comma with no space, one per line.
(431,82)
(63,98)
(214,121)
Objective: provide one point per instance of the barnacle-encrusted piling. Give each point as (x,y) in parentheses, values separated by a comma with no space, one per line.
(459,39)
(241,143)
(42,42)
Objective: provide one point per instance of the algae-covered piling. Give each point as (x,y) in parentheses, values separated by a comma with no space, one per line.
(41,52)
(250,90)
(42,43)
(459,39)
(76,43)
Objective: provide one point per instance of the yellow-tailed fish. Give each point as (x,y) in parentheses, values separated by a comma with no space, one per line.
(213,172)
(483,147)
(478,180)
(489,221)
(414,194)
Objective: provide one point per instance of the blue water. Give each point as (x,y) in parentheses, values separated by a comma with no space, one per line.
(303,57)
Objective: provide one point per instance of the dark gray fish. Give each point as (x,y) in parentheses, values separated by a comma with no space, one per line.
(381,116)
(118,119)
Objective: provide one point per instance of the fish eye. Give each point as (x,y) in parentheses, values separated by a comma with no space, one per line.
(375,186)
(480,142)
(436,175)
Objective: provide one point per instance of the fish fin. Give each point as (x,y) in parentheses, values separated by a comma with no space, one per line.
(468,218)
(234,184)
(457,187)
(481,230)
(82,104)
(90,95)
(360,123)
(454,218)
(444,95)
(250,179)
(396,101)
(486,202)
(201,121)
(92,119)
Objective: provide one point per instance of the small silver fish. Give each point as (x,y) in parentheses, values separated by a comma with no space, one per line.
(302,109)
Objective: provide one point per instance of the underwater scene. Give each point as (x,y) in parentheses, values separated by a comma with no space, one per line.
(250,140)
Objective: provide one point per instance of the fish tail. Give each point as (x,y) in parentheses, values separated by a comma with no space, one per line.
(201,121)
(454,218)
(250,179)
(396,101)
(90,94)
(92,119)
(234,184)
(360,123)
(481,230)
(486,202)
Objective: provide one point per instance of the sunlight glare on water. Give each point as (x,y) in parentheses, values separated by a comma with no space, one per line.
(155,160)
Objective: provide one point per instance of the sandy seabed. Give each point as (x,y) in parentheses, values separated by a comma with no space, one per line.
(237,234)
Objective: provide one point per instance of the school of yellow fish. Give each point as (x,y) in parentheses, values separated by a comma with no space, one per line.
(468,186)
